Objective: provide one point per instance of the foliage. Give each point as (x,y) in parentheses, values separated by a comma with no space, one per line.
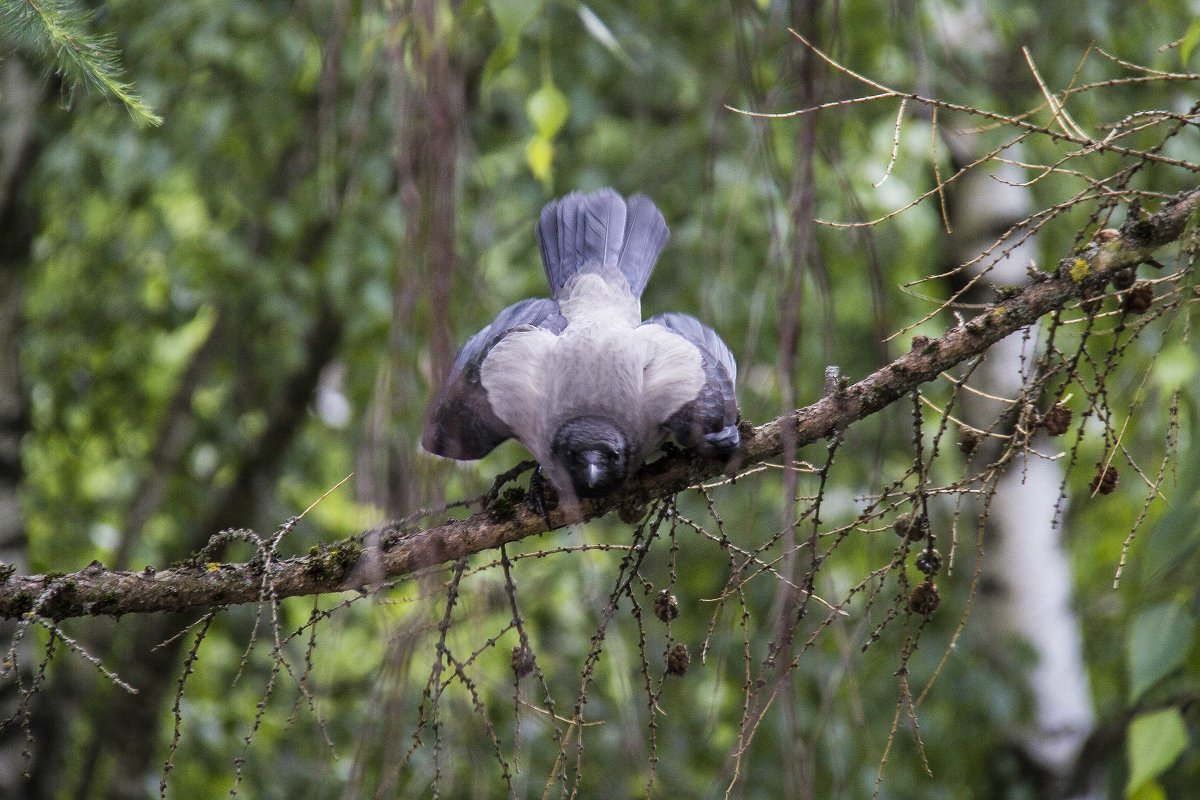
(181,274)
(59,27)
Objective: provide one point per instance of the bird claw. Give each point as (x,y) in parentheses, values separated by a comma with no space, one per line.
(722,443)
(538,498)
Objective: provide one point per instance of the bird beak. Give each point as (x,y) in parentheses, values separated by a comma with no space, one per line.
(593,470)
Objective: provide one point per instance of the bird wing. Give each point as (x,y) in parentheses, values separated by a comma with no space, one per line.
(672,375)
(519,376)
(707,421)
(462,421)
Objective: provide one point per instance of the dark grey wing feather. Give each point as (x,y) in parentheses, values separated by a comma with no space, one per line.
(708,424)
(646,234)
(461,422)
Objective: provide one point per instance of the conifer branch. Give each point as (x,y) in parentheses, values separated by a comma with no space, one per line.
(58,30)
(371,557)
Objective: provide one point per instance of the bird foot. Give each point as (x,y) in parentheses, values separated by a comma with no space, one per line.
(722,443)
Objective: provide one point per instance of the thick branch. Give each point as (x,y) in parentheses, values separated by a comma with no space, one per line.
(389,552)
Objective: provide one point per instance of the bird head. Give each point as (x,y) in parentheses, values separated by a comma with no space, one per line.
(593,454)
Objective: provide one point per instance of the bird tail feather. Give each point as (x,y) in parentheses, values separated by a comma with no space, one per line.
(597,232)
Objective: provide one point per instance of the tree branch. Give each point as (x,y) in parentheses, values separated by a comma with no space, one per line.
(372,556)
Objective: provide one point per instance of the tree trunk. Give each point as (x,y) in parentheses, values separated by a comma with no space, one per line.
(20,140)
(1027,580)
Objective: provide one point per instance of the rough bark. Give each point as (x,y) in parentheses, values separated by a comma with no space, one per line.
(365,559)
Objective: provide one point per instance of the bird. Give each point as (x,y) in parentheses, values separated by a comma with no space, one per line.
(579,378)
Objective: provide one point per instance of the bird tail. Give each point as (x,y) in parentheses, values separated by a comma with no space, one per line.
(597,231)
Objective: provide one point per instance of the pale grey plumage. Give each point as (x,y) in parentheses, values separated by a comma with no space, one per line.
(462,423)
(579,378)
(708,424)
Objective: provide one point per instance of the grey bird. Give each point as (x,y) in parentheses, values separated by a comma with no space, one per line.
(580,379)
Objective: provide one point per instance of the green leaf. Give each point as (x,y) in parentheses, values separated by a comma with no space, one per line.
(539,153)
(1173,540)
(1174,367)
(1157,644)
(1176,536)
(172,349)
(547,109)
(601,33)
(1189,42)
(1155,740)
(504,54)
(1150,790)
(512,16)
